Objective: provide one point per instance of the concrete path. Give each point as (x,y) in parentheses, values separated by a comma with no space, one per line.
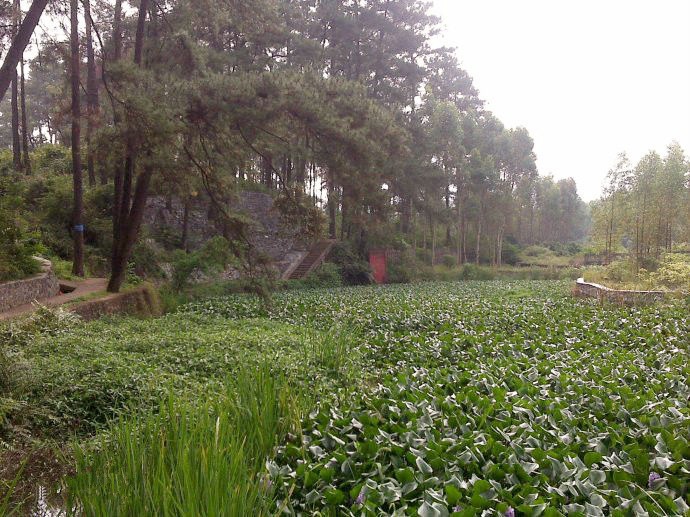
(81,288)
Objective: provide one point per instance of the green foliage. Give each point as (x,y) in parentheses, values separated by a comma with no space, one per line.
(327,275)
(16,247)
(510,254)
(449,261)
(474,272)
(191,457)
(354,270)
(672,273)
(536,251)
(462,366)
(48,160)
(299,213)
(620,271)
(43,322)
(213,257)
(399,273)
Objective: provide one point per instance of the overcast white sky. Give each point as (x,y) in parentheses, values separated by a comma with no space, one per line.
(587,78)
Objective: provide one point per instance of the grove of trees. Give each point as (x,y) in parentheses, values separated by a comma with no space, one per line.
(645,208)
(343,106)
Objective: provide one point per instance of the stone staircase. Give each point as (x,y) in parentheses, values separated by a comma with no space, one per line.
(313,259)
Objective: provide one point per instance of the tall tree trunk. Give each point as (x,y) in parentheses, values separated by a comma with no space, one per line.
(332,206)
(25,125)
(117,31)
(19,43)
(448,233)
(433,244)
(185,225)
(129,207)
(479,240)
(16,142)
(91,94)
(78,214)
(459,246)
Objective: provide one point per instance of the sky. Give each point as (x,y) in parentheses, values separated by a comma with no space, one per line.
(589,78)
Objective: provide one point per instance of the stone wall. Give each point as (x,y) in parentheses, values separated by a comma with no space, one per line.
(142,302)
(268,235)
(22,292)
(619,297)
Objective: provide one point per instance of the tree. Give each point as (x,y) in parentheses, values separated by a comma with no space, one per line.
(16,142)
(92,102)
(78,215)
(19,43)
(128,209)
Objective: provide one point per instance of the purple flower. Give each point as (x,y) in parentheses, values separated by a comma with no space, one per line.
(457,509)
(360,498)
(653,477)
(509,512)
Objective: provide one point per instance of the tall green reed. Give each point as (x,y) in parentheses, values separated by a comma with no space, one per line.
(193,457)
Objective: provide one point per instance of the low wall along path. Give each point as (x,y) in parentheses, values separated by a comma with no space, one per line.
(21,292)
(619,297)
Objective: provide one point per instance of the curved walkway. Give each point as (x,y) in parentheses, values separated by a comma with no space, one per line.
(81,288)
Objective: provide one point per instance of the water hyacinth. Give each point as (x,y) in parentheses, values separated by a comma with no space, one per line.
(510,512)
(653,478)
(360,498)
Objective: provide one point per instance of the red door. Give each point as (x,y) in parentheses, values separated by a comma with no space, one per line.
(377,261)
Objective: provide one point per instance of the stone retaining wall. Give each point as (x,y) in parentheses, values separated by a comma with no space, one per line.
(269,236)
(21,292)
(619,297)
(142,302)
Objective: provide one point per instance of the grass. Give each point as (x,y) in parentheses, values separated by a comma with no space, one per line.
(425,399)
(191,458)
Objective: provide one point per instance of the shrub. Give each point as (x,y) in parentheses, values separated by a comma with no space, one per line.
(354,270)
(145,260)
(619,271)
(45,321)
(327,275)
(423,255)
(399,273)
(475,272)
(450,261)
(673,273)
(16,250)
(536,251)
(51,159)
(510,253)
(213,257)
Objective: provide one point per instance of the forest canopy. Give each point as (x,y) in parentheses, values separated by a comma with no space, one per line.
(342,108)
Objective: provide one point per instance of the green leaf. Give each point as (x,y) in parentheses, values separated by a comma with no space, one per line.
(592,457)
(423,466)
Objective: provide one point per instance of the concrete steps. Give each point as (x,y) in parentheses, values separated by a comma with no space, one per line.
(314,258)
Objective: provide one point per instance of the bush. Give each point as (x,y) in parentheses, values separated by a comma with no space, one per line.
(475,272)
(565,249)
(45,321)
(673,273)
(536,251)
(399,273)
(619,271)
(450,261)
(51,159)
(509,254)
(354,270)
(145,260)
(423,255)
(213,257)
(16,250)
(327,275)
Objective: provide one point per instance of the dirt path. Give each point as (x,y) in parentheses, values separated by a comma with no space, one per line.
(82,288)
